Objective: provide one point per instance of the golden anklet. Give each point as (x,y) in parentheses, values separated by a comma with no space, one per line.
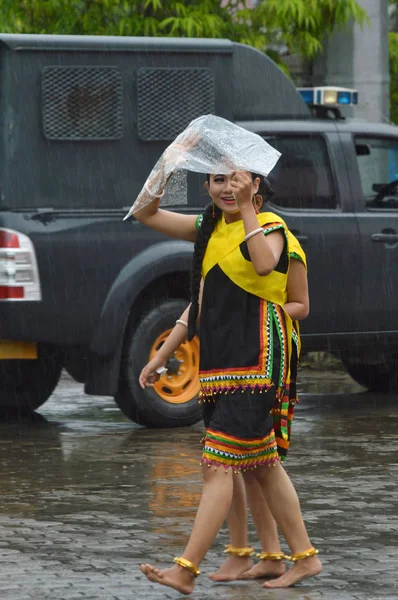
(272,556)
(186,564)
(248,551)
(301,555)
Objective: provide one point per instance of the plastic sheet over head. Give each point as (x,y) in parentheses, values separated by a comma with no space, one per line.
(209,144)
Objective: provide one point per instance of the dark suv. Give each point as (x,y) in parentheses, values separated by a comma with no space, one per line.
(82,122)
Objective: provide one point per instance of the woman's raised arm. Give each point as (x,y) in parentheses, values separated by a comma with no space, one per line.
(176,225)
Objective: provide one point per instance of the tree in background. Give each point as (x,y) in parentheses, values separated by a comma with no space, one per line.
(298,25)
(393,54)
(393,43)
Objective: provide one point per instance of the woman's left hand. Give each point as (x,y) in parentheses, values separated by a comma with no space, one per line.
(242,187)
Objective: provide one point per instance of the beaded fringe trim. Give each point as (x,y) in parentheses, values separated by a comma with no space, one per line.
(223,450)
(237,469)
(209,392)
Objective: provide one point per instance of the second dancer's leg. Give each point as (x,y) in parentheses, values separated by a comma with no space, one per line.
(234,566)
(272,564)
(284,504)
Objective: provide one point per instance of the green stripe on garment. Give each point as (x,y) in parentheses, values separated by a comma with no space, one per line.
(270,329)
(274,228)
(198,222)
(247,444)
(278,326)
(296,256)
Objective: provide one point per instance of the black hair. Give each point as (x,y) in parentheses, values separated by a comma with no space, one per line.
(206,229)
(264,189)
(210,218)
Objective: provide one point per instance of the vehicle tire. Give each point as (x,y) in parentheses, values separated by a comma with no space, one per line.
(75,363)
(172,402)
(27,384)
(382,378)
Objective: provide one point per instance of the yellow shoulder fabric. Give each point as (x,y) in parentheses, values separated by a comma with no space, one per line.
(295,249)
(223,249)
(296,252)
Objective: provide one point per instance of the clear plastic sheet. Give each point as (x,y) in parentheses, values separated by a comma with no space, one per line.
(209,144)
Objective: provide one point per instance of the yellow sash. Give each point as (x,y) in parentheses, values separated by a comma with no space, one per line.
(223,249)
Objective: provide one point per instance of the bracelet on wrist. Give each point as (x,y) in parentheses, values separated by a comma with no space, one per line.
(161,370)
(252,233)
(181,322)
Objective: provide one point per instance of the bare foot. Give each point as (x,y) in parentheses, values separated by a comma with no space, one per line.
(177,577)
(308,567)
(265,568)
(232,568)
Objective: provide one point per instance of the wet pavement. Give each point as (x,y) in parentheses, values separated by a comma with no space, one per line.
(86,496)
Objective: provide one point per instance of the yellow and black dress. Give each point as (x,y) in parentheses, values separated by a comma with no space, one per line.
(245,350)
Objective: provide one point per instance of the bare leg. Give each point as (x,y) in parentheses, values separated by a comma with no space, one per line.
(266,530)
(233,567)
(213,508)
(285,507)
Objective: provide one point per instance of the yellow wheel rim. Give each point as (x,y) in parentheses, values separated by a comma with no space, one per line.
(181,383)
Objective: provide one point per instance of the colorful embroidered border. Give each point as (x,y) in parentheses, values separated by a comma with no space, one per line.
(210,390)
(198,222)
(279,321)
(221,449)
(283,444)
(295,337)
(269,339)
(270,227)
(259,377)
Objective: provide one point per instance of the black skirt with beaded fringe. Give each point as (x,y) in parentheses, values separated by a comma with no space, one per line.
(243,367)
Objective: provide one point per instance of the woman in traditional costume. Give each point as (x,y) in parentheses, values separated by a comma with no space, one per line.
(239,288)
(239,564)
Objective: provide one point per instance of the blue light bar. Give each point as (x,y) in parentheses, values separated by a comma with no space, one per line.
(329,96)
(307,95)
(344,97)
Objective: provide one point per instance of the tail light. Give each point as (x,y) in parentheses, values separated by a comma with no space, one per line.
(19,275)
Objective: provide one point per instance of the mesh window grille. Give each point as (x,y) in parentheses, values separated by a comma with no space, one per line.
(169,99)
(82,103)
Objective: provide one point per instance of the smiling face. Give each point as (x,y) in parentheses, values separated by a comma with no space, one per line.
(220,191)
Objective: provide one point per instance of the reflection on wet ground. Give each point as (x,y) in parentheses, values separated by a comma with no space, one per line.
(88,495)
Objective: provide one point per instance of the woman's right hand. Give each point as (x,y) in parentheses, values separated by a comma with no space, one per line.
(148,376)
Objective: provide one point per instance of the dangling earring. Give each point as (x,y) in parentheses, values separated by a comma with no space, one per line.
(213,214)
(255,204)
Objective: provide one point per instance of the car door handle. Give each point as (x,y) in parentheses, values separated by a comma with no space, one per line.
(300,238)
(385,238)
